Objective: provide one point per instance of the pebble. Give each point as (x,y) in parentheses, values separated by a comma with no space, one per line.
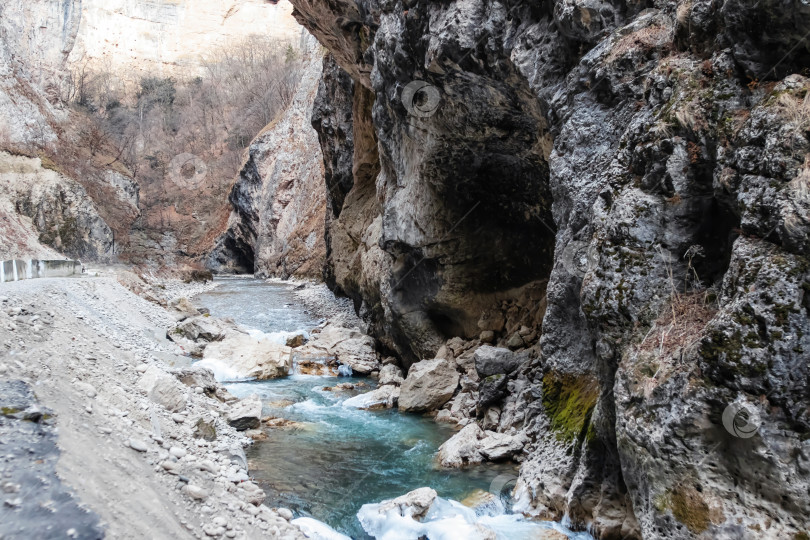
(196,492)
(179,418)
(220,521)
(141,368)
(198,390)
(170,466)
(177,452)
(286,513)
(137,444)
(208,466)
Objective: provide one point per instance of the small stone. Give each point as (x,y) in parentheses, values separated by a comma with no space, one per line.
(515,342)
(286,513)
(487,336)
(208,466)
(138,445)
(199,390)
(141,368)
(220,521)
(170,466)
(196,492)
(179,418)
(10,487)
(177,452)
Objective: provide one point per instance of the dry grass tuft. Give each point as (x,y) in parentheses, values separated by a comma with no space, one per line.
(691,118)
(796,110)
(682,324)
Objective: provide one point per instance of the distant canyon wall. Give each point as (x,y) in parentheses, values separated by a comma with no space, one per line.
(162,38)
(276,227)
(45,45)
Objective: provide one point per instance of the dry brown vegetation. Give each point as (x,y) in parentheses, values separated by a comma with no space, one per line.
(796,110)
(213,116)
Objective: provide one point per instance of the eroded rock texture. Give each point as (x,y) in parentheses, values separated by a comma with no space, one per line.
(276,227)
(622,189)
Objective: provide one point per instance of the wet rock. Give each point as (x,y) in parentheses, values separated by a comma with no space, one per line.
(463,448)
(491,390)
(295,341)
(415,504)
(246,414)
(28,478)
(383,397)
(348,346)
(251,357)
(429,385)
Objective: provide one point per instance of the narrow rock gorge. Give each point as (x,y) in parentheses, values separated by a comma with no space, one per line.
(616,192)
(571,236)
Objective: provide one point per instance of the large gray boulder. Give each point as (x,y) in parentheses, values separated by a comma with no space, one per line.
(249,357)
(246,414)
(495,361)
(429,385)
(163,389)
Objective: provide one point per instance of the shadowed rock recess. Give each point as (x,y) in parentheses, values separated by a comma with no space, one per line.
(621,193)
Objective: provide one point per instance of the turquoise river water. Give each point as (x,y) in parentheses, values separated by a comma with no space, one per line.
(339,458)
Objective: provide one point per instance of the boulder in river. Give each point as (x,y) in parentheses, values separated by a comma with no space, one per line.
(380,398)
(429,385)
(246,414)
(415,504)
(463,448)
(245,356)
(348,346)
(391,374)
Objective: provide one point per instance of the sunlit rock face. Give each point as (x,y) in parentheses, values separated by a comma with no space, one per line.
(136,38)
(650,162)
(276,227)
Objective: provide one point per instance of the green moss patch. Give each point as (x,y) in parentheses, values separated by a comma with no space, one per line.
(569,402)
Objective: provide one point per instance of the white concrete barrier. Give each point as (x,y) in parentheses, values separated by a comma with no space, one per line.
(18,269)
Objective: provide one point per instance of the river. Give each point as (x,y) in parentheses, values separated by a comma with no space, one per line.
(335,459)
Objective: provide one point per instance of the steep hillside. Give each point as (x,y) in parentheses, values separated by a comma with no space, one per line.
(113,99)
(621,191)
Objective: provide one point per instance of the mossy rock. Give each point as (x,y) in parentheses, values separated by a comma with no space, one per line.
(569,402)
(688,506)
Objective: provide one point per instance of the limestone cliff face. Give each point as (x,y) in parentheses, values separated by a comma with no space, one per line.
(43,209)
(136,38)
(276,227)
(621,189)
